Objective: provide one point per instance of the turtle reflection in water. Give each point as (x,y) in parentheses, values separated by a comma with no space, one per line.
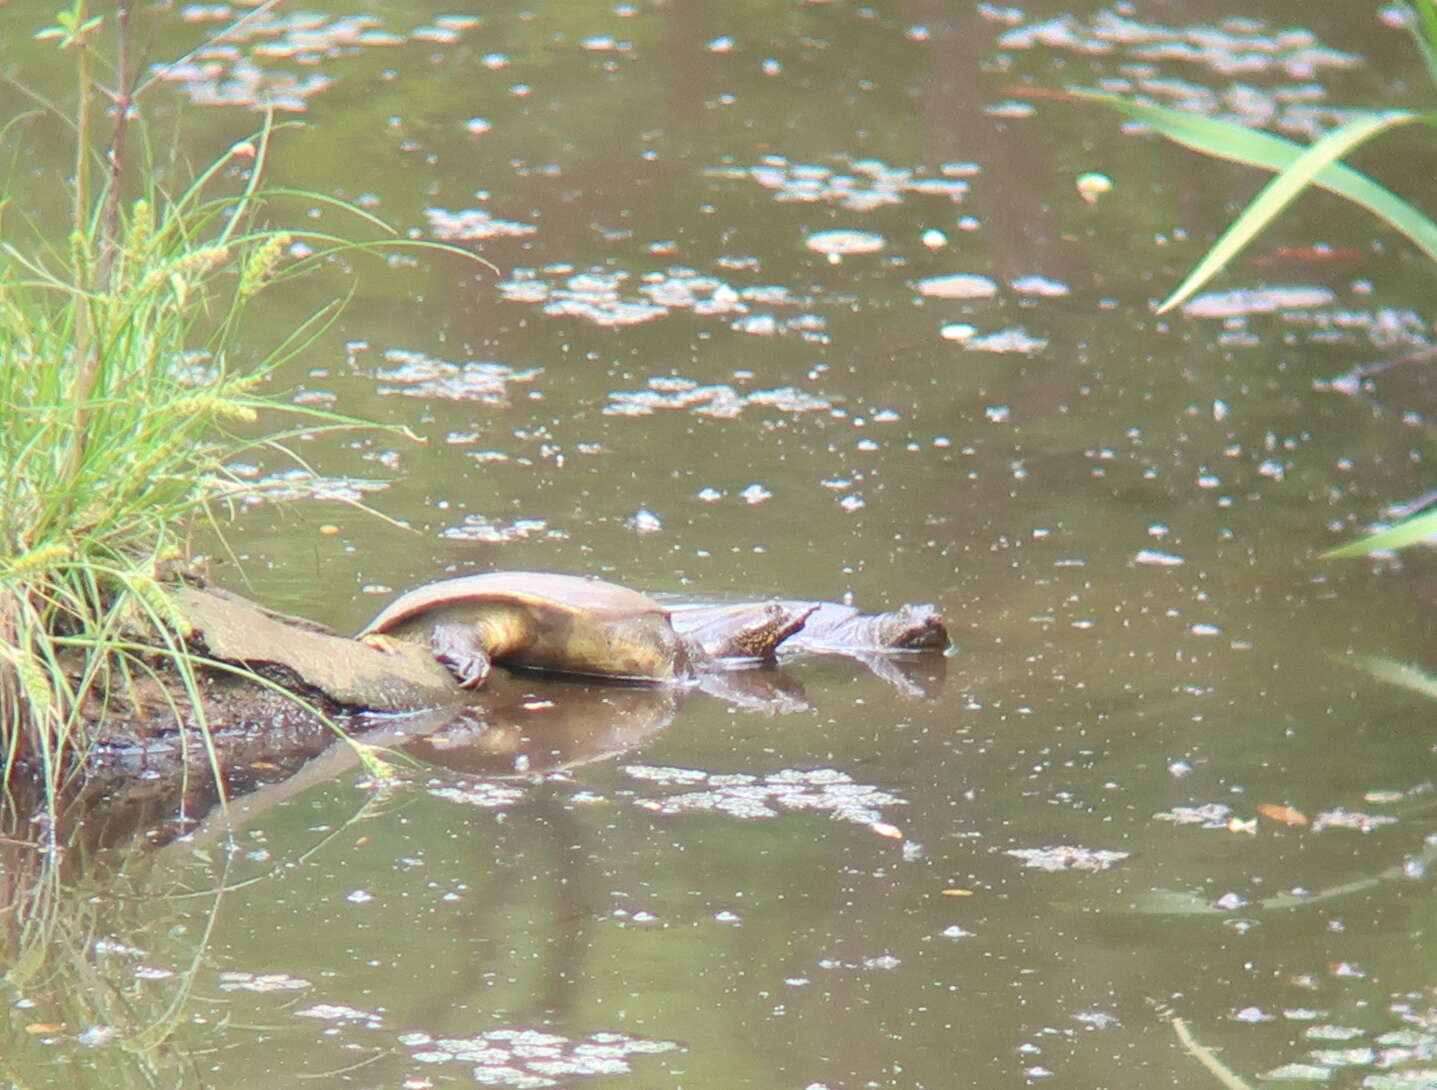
(573,625)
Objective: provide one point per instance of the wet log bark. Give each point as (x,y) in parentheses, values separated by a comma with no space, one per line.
(272,692)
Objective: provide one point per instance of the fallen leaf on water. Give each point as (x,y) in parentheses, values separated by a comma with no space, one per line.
(1288,815)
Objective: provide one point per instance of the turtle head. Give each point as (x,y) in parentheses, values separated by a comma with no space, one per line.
(911,628)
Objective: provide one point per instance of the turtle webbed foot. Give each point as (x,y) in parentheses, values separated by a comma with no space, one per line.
(459,652)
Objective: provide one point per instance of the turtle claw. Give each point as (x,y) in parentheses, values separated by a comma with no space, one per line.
(380,642)
(469,671)
(468,664)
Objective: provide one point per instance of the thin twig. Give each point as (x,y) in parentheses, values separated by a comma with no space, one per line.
(1421,355)
(85,351)
(124,99)
(164,70)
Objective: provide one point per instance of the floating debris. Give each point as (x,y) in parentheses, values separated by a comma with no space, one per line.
(958,286)
(415,374)
(1067,857)
(1210,815)
(644,521)
(238,71)
(809,326)
(1040,286)
(1300,1072)
(484,794)
(858,186)
(1324,1031)
(611,298)
(1253,56)
(837,245)
(303,484)
(1156,559)
(1230,304)
(471,224)
(1016,340)
(1351,819)
(339,1012)
(881,961)
(115,948)
(755,493)
(1384,328)
(688,289)
(1345,1057)
(722,401)
(233,980)
(1252,1016)
(490,532)
(530,1059)
(748,796)
(1010,108)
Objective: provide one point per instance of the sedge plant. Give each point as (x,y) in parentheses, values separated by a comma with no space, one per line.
(121,402)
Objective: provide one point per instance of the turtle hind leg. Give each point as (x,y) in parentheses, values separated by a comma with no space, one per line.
(458,648)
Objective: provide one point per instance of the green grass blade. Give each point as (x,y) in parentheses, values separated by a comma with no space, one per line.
(1283,190)
(1226,140)
(1423,25)
(1402,674)
(1395,537)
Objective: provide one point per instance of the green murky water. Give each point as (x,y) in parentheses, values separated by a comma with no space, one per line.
(680,382)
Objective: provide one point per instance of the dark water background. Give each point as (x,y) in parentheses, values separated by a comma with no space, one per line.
(1120,515)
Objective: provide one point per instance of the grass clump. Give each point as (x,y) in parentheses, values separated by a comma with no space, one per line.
(125,387)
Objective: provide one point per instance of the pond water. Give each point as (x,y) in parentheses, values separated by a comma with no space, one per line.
(817,300)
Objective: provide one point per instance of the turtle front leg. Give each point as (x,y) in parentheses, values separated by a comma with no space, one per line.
(459,648)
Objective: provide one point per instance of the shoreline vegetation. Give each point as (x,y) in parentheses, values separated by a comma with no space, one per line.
(131,381)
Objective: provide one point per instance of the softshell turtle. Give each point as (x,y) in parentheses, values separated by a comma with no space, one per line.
(569,624)
(563,623)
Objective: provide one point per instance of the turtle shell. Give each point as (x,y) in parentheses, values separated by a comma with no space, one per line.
(544,621)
